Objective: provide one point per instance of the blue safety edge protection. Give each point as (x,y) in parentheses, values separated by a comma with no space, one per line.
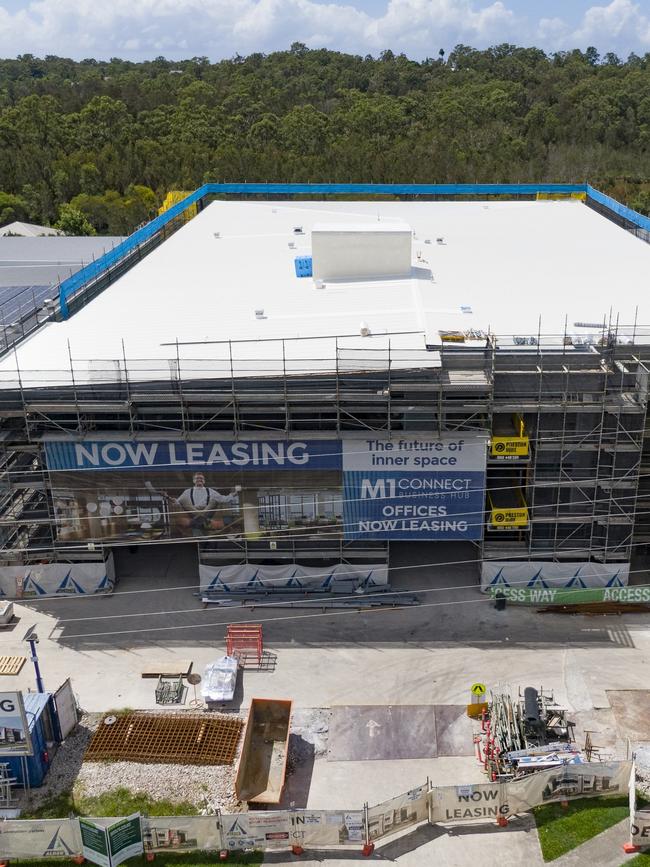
(622,210)
(303,266)
(68,287)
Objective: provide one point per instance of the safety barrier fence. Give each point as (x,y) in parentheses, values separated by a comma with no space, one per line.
(110,841)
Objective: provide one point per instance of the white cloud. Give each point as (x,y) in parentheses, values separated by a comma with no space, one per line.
(221,28)
(620,25)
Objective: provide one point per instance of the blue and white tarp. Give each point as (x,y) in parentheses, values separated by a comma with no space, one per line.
(56,579)
(540,575)
(250,578)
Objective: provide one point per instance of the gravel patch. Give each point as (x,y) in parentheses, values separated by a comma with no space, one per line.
(208,787)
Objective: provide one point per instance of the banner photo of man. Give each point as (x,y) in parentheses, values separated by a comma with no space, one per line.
(117,491)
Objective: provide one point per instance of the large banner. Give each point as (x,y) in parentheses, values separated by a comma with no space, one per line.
(414,488)
(403,488)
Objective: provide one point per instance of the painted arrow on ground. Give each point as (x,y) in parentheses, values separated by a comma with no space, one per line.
(373,727)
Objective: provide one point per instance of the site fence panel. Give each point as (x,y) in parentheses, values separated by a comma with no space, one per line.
(39,838)
(181,833)
(333,829)
(398,813)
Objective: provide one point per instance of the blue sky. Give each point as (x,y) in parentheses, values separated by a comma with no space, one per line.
(139,29)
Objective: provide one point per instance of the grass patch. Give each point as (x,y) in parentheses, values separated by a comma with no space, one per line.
(641,860)
(167,859)
(562,829)
(117,802)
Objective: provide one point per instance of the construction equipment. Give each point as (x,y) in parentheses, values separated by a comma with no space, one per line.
(524,734)
(169,690)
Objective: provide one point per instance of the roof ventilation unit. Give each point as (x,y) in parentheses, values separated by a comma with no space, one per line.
(440,240)
(297,230)
(217,234)
(259,313)
(364,329)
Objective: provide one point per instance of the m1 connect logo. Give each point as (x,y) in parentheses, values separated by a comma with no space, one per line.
(382,489)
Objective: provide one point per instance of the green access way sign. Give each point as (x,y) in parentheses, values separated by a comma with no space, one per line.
(562,596)
(110,845)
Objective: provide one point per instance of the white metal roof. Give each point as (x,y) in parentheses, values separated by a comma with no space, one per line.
(513,268)
(28,230)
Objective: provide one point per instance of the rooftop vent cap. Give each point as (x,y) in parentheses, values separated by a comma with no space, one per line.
(440,240)
(259,313)
(319,284)
(427,240)
(292,245)
(217,234)
(297,230)
(465,308)
(364,329)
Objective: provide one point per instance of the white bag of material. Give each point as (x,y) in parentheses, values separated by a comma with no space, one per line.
(219,679)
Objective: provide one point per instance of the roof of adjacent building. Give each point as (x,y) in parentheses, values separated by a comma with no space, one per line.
(515,269)
(36,261)
(28,230)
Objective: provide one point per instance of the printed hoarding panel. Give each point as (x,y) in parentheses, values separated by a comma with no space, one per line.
(414,488)
(256,830)
(39,838)
(15,739)
(181,833)
(399,813)
(405,488)
(491,800)
(640,828)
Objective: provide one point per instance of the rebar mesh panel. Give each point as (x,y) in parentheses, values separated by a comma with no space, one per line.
(169,738)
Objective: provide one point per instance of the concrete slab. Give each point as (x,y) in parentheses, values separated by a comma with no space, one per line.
(454,730)
(632,712)
(374,732)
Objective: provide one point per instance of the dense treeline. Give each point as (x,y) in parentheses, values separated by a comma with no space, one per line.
(106,140)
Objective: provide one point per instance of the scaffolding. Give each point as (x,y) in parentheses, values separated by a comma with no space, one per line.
(581,413)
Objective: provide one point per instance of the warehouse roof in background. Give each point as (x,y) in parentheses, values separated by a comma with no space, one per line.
(28,230)
(514,269)
(45,261)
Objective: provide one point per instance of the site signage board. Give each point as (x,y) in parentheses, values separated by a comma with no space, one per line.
(111,844)
(510,448)
(94,841)
(358,488)
(15,739)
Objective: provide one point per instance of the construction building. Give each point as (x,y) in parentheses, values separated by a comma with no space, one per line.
(287,381)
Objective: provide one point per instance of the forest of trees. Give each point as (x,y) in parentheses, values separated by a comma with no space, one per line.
(98,144)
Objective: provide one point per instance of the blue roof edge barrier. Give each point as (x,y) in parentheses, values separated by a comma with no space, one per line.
(622,210)
(68,287)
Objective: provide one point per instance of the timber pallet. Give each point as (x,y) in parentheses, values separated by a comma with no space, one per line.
(11,665)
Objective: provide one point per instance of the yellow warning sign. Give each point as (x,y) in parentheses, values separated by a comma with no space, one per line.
(509,448)
(478,689)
